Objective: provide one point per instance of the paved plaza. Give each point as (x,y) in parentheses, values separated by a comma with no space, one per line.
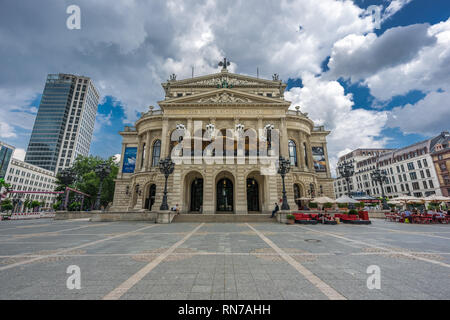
(137,260)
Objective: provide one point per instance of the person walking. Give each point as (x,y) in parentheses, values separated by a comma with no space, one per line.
(277,208)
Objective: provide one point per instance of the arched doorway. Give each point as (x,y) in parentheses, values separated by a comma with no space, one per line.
(224,195)
(252,195)
(297,195)
(150,199)
(196,195)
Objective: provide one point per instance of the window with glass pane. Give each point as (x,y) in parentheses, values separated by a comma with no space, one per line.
(156,152)
(292,153)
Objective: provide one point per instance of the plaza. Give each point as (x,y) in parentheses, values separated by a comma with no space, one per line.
(138,260)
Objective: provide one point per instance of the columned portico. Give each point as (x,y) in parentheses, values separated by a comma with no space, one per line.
(193,120)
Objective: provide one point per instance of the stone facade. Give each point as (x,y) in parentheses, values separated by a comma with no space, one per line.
(222,100)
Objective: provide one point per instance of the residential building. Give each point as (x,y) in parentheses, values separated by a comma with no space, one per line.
(441,160)
(23,176)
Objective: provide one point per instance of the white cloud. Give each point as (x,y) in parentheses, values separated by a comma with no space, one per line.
(394,7)
(428,71)
(361,56)
(19,154)
(428,116)
(327,104)
(6,131)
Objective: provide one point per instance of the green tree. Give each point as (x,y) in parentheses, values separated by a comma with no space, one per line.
(88,182)
(6,205)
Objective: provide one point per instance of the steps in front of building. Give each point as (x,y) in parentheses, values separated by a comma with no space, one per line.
(211,218)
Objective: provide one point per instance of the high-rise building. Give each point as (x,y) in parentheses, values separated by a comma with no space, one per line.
(65,122)
(6,152)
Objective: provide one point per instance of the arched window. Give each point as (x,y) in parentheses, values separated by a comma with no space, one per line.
(293,153)
(306,154)
(156,153)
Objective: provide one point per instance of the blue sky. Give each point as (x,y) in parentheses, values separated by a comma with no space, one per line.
(371,87)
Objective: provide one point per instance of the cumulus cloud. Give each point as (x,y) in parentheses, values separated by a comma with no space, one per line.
(327,104)
(428,116)
(428,71)
(360,56)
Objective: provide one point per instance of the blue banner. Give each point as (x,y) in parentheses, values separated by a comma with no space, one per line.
(129,160)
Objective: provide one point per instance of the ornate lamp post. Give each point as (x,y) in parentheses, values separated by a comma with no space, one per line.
(269,129)
(102,171)
(380,176)
(346,170)
(166,167)
(283,168)
(67,177)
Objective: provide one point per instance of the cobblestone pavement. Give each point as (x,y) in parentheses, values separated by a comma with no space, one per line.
(125,260)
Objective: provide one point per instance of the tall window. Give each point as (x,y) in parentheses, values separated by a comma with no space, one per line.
(156,152)
(293,153)
(306,154)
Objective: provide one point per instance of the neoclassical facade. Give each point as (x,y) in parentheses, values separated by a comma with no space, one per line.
(212,107)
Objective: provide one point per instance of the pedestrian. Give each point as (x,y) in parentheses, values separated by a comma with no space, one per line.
(277,208)
(176,208)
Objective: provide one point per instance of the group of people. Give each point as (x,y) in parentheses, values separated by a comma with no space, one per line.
(409,214)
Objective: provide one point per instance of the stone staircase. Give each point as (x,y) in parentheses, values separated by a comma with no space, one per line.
(211,218)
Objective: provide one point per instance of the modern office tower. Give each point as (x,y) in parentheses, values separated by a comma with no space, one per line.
(6,152)
(65,122)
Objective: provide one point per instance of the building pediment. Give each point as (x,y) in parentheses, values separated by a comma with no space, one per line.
(223,96)
(224,79)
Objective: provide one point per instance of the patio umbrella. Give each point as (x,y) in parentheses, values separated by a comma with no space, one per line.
(322,200)
(435,198)
(394,202)
(408,199)
(346,199)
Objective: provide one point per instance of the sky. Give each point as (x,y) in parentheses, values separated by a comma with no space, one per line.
(373,81)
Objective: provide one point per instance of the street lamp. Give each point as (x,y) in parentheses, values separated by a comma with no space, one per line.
(102,171)
(166,167)
(66,177)
(346,170)
(380,176)
(283,168)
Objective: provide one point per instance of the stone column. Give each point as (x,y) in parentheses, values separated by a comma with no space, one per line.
(165,142)
(139,154)
(301,151)
(310,157)
(122,155)
(147,152)
(284,139)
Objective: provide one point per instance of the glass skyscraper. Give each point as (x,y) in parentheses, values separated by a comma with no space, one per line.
(6,152)
(65,122)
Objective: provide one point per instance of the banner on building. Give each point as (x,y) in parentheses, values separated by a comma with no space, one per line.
(320,164)
(129,160)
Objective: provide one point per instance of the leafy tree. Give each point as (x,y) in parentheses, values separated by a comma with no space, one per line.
(88,182)
(6,205)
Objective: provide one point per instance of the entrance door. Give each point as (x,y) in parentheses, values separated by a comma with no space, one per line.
(225,195)
(252,195)
(150,201)
(297,196)
(196,195)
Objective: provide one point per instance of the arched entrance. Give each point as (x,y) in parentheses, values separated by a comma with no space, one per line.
(224,195)
(297,195)
(252,195)
(150,199)
(196,195)
(192,193)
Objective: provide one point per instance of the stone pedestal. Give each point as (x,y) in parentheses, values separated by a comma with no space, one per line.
(281,215)
(165,217)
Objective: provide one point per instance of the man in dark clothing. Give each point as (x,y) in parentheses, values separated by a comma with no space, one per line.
(277,208)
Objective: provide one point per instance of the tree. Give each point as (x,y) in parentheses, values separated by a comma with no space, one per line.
(6,205)
(88,182)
